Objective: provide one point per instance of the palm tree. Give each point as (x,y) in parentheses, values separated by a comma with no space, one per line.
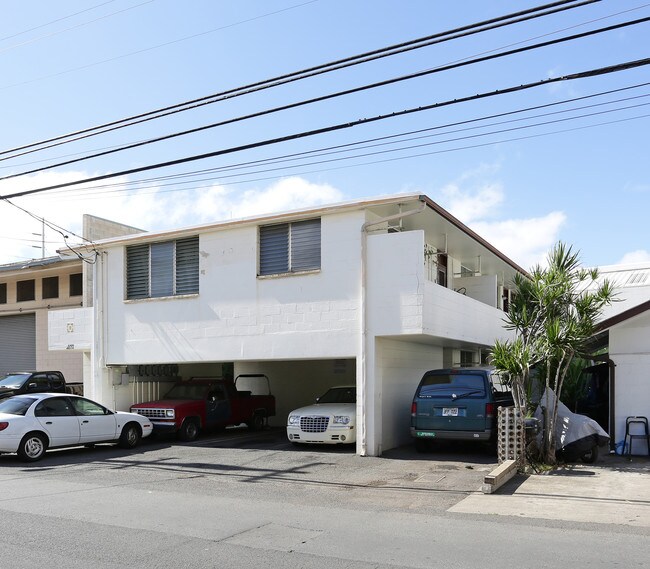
(553,314)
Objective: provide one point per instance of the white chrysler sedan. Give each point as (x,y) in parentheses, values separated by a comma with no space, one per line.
(330,421)
(30,424)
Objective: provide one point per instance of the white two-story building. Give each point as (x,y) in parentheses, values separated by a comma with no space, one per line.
(371,293)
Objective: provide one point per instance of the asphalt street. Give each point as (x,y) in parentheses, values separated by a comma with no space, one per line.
(242,500)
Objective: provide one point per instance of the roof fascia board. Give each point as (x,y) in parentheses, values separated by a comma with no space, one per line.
(243,222)
(475,236)
(623,316)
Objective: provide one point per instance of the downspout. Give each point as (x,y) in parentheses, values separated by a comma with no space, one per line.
(363,391)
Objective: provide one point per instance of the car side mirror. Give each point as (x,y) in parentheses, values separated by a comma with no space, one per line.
(31,386)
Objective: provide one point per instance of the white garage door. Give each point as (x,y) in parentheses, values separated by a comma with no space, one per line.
(17,343)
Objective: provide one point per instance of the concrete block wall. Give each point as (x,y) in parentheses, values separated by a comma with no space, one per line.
(629,348)
(298,383)
(239,316)
(68,362)
(397,370)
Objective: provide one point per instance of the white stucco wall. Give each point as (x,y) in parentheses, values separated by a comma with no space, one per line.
(629,348)
(399,368)
(238,316)
(70,329)
(480,287)
(402,301)
(298,383)
(395,283)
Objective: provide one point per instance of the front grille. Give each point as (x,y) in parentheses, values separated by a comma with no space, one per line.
(314,424)
(151,413)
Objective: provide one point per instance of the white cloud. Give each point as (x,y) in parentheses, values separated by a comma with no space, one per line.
(638,256)
(150,209)
(526,241)
(470,207)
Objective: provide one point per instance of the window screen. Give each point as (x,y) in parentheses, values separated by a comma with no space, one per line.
(51,287)
(290,247)
(76,287)
(25,290)
(3,293)
(162,269)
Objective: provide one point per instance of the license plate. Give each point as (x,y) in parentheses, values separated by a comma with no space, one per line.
(450,411)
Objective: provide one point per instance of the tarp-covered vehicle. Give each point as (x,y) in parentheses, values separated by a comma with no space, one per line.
(578,437)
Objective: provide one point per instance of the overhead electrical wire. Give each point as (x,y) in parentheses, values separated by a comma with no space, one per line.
(378,141)
(65,233)
(3,50)
(410,156)
(341,126)
(395,49)
(116,146)
(222,177)
(331,96)
(62,232)
(151,48)
(55,21)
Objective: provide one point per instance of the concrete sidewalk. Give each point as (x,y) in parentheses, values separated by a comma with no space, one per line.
(615,490)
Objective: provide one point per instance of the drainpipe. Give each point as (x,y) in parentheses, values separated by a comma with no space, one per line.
(363,391)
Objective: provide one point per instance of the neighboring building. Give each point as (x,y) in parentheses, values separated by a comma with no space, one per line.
(369,292)
(34,290)
(622,381)
(29,290)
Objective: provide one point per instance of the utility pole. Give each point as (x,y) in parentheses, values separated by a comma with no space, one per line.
(42,236)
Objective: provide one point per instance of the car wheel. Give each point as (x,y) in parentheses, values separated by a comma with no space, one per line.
(590,456)
(189,430)
(32,447)
(130,436)
(257,423)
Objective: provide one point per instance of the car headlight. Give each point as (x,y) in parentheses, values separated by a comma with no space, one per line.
(293,420)
(341,419)
(169,413)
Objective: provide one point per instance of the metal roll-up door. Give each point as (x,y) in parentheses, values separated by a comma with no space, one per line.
(17,342)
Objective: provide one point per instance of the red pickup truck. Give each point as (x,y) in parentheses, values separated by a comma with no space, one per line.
(197,404)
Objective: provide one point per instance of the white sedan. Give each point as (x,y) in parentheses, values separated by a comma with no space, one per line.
(331,420)
(30,424)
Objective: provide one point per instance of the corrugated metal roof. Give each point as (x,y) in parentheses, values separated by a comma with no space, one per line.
(624,276)
(31,264)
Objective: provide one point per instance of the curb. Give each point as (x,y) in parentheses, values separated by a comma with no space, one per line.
(499,476)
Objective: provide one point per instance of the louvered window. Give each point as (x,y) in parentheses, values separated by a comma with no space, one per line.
(290,247)
(162,269)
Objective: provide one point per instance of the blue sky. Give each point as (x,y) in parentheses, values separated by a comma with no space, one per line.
(583,179)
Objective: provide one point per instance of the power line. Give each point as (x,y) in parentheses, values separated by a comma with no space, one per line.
(55,21)
(419,155)
(116,146)
(331,96)
(341,126)
(385,140)
(74,27)
(65,234)
(393,150)
(463,31)
(151,48)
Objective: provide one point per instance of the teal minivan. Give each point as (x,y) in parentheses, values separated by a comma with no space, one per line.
(457,404)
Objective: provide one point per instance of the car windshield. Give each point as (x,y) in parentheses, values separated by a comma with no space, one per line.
(13,380)
(446,385)
(187,392)
(340,395)
(17,405)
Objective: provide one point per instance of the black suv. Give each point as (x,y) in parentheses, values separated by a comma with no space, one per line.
(20,382)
